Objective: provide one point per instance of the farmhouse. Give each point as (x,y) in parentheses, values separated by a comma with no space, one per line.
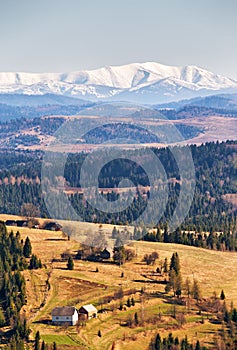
(66,315)
(89,311)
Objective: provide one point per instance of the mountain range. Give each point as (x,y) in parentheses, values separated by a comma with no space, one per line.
(145,83)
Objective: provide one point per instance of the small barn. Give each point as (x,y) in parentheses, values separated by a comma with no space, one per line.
(89,311)
(52,226)
(66,315)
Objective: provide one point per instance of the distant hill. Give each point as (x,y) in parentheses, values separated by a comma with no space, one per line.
(24,106)
(220,101)
(220,105)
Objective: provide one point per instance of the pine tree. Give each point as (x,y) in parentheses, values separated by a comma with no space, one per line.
(176,341)
(136,318)
(175,278)
(43,347)
(158,342)
(114,233)
(128,303)
(70,263)
(54,346)
(175,263)
(99,333)
(27,249)
(166,234)
(198,346)
(158,235)
(132,301)
(234,315)
(37,341)
(165,266)
(222,296)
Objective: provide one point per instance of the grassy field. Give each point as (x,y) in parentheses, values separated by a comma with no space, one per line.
(214,271)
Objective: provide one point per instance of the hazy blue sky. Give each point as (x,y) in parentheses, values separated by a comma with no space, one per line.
(65,35)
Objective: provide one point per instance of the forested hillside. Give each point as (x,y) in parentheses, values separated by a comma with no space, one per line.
(215,166)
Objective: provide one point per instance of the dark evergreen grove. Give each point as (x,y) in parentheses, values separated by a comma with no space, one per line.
(216,174)
(12,286)
(174,343)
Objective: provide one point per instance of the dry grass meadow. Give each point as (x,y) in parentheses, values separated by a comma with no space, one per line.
(214,271)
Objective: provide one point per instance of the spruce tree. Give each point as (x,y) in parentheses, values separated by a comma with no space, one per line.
(158,342)
(37,341)
(136,318)
(198,346)
(222,296)
(175,278)
(70,263)
(128,303)
(27,249)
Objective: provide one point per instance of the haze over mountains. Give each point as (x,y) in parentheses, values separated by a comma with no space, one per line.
(145,83)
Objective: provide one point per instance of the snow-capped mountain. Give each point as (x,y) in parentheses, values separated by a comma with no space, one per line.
(138,82)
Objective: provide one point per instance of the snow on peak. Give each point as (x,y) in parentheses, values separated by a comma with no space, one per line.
(107,82)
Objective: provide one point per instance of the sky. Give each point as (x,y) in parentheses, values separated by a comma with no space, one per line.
(69,35)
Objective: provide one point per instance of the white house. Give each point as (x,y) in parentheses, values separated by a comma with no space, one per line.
(66,315)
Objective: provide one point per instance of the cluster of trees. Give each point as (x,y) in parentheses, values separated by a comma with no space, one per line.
(223,241)
(35,263)
(226,338)
(15,256)
(174,343)
(120,253)
(175,282)
(38,345)
(150,259)
(94,247)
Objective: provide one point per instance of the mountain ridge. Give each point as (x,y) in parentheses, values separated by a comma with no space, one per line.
(148,82)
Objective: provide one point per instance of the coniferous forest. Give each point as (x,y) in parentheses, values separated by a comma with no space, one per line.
(215,172)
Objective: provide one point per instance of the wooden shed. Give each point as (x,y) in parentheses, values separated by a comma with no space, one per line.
(89,311)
